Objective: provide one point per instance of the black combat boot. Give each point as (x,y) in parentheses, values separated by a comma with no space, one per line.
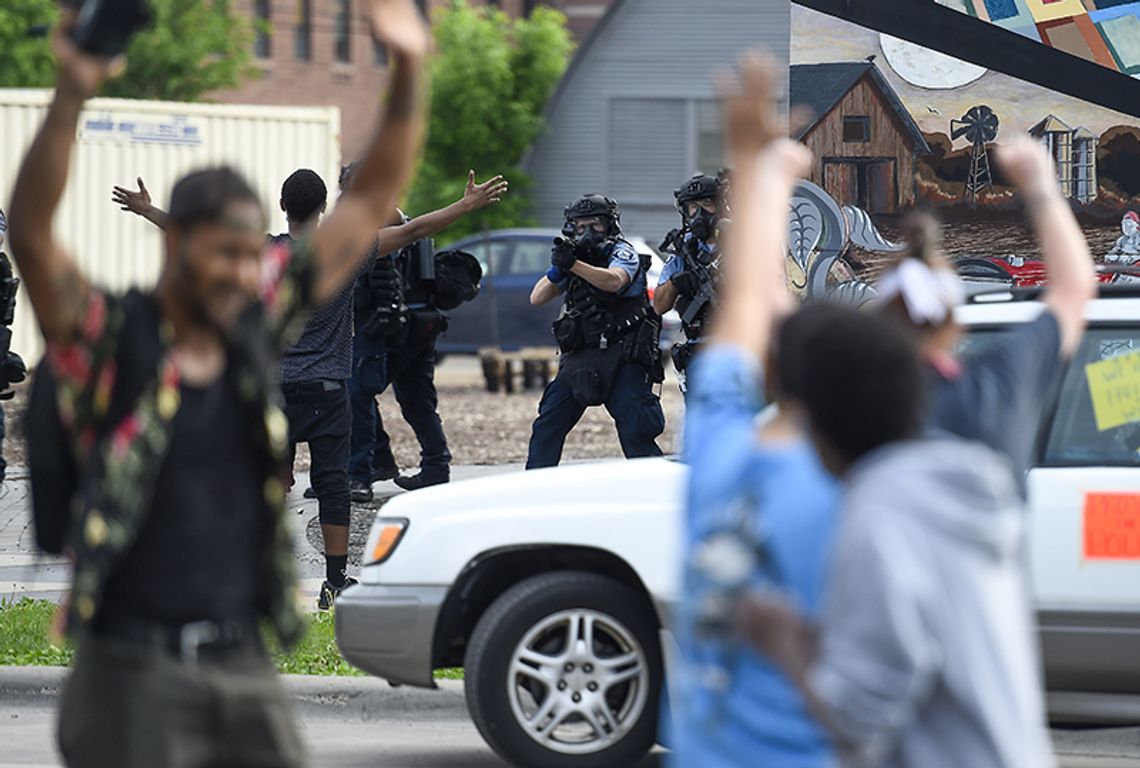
(425,477)
(360,492)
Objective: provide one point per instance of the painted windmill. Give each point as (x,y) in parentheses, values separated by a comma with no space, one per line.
(979,126)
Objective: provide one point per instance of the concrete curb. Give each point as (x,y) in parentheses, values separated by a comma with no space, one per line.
(363,698)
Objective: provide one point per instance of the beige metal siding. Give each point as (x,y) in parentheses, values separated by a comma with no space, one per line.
(646,51)
(120,140)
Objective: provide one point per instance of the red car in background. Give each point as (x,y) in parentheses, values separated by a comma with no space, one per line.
(1030,273)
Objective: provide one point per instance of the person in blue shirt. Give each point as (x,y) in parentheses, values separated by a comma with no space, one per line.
(760,507)
(607,332)
(688,283)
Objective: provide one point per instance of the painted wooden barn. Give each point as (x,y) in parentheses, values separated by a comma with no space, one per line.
(863,137)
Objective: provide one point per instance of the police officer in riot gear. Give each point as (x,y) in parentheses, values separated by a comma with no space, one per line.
(690,277)
(12,368)
(607,332)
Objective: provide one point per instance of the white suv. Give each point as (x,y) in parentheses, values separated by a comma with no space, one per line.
(553,587)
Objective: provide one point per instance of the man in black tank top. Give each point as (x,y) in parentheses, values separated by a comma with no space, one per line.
(170,417)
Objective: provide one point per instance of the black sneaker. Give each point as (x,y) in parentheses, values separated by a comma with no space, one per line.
(422,479)
(379,474)
(360,492)
(329,593)
(310,493)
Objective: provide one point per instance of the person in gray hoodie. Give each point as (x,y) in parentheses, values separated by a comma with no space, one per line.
(925,653)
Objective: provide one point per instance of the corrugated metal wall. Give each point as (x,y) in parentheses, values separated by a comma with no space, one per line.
(120,140)
(625,119)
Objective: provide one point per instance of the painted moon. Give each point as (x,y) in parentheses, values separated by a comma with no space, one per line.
(926,68)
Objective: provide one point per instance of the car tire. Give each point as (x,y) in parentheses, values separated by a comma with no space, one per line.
(542,625)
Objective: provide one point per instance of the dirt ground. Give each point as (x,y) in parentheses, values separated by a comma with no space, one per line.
(494,428)
(482,427)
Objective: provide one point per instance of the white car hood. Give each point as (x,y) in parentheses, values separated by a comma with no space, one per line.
(629,508)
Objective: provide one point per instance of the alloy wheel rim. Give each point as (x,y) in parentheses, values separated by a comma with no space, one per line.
(578,681)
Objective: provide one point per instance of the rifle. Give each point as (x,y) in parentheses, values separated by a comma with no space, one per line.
(675,244)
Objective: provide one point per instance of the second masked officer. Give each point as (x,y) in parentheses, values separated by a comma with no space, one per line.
(691,277)
(607,332)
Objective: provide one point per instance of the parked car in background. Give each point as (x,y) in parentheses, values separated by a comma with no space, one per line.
(1017,272)
(554,588)
(501,316)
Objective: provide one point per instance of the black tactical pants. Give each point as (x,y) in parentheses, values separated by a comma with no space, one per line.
(635,409)
(410,369)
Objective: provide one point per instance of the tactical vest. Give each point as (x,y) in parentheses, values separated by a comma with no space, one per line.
(601,313)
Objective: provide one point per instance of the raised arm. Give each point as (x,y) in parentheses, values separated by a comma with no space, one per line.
(342,240)
(138,203)
(475,196)
(1068,263)
(57,289)
(766,166)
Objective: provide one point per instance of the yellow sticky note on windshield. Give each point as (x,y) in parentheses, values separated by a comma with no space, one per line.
(1114,385)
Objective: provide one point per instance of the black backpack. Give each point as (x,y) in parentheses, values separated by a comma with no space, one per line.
(457,278)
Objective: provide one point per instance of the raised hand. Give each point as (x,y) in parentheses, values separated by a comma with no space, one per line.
(400,27)
(481,195)
(1028,165)
(135,202)
(751,120)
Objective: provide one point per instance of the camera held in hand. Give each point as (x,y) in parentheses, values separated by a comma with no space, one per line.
(104,27)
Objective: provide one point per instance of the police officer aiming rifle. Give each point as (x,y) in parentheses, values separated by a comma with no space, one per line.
(607,332)
(690,278)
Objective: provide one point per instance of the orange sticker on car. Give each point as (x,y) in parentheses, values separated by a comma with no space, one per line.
(1112,526)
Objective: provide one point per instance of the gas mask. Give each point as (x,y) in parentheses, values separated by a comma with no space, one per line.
(589,243)
(702,224)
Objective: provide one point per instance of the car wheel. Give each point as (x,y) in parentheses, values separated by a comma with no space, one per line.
(564,669)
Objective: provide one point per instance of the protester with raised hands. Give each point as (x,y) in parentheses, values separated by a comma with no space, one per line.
(995,395)
(760,507)
(922,647)
(169,412)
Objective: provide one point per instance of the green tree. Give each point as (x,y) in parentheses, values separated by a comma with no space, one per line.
(491,78)
(26,62)
(192,47)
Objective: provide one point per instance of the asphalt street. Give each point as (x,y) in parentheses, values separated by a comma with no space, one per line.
(403,740)
(345,723)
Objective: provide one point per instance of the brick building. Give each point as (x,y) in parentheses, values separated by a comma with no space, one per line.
(320,53)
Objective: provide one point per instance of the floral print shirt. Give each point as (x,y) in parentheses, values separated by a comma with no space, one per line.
(119,456)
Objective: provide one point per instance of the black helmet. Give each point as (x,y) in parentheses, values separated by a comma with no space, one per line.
(700,187)
(593,205)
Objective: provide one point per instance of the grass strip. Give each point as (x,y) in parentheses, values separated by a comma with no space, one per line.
(25,642)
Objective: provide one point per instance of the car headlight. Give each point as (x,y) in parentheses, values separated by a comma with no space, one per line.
(391,531)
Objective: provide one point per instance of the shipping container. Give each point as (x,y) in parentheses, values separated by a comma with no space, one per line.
(120,140)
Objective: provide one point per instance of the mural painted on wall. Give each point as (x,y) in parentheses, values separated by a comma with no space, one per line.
(897,126)
(1106,32)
